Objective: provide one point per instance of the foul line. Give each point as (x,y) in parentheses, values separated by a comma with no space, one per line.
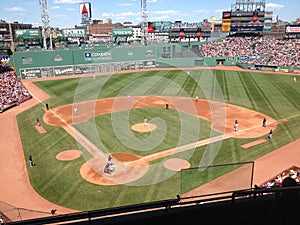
(95,151)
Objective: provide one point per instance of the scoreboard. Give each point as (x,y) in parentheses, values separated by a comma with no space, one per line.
(243,21)
(186,32)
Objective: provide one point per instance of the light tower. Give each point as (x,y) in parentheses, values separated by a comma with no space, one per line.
(144,24)
(46,31)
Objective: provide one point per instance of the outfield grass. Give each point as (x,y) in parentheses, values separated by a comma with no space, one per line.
(60,182)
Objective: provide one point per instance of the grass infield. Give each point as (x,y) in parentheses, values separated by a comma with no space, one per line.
(60,182)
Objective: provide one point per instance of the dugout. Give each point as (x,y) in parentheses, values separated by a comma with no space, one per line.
(220,62)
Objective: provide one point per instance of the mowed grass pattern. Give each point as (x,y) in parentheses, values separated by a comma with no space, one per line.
(60,182)
(172,137)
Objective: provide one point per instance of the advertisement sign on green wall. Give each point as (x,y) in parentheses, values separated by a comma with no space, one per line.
(74,33)
(122,32)
(28,34)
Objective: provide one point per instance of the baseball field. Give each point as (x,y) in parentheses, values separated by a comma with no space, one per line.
(71,148)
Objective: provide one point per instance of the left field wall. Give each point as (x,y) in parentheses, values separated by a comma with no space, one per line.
(54,63)
(41,64)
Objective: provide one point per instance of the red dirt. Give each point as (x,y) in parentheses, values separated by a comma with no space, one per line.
(40,129)
(249,121)
(140,127)
(128,172)
(18,191)
(68,155)
(249,125)
(176,164)
(253,143)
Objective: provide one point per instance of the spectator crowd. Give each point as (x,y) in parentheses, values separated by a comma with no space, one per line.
(293,172)
(12,90)
(256,50)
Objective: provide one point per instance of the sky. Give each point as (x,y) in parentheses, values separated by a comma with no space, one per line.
(66,13)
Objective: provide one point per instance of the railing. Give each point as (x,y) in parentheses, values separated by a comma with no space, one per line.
(159,207)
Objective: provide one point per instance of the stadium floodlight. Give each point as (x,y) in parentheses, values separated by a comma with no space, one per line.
(45,24)
(144,22)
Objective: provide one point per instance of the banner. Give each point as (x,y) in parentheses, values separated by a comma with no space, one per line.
(162,26)
(28,34)
(268,21)
(292,29)
(73,33)
(226,22)
(85,12)
(122,32)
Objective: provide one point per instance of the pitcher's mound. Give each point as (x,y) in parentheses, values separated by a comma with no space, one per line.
(140,127)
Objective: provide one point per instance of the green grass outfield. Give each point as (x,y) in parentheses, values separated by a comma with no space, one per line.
(60,182)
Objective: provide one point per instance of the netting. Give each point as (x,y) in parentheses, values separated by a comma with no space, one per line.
(11,213)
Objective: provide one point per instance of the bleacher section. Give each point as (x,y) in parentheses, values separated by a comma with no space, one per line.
(12,91)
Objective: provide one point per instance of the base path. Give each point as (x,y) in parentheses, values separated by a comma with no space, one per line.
(16,189)
(250,126)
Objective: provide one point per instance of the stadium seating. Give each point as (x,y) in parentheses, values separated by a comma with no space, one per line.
(12,91)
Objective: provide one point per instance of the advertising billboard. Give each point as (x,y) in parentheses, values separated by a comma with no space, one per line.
(122,32)
(161,26)
(226,22)
(27,34)
(73,33)
(85,12)
(268,21)
(292,29)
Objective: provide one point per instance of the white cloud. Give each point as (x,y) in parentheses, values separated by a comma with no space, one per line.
(70,9)
(55,7)
(221,10)
(15,9)
(201,11)
(274,6)
(167,12)
(60,15)
(127,14)
(162,17)
(67,1)
(122,15)
(106,14)
(125,4)
(31,3)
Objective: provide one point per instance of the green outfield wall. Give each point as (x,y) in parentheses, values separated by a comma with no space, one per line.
(52,63)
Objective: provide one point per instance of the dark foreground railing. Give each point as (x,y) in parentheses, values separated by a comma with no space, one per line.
(167,208)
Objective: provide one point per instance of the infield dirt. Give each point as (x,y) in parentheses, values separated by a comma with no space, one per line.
(17,190)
